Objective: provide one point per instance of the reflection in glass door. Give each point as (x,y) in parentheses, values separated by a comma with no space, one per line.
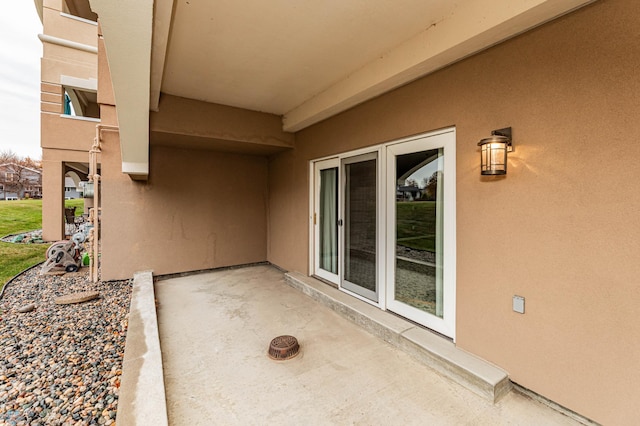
(360,225)
(421,231)
(385,227)
(418,250)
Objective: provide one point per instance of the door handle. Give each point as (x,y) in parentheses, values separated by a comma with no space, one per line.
(339,222)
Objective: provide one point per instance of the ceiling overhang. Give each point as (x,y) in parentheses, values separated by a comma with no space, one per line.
(312,61)
(474,27)
(302,61)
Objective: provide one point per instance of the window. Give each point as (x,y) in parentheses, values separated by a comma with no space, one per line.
(81,103)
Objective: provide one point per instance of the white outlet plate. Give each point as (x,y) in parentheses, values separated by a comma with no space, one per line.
(518,304)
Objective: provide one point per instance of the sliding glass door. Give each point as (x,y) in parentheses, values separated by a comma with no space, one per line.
(360,233)
(420,280)
(384,227)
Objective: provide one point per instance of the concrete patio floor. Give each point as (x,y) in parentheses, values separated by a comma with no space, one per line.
(215,330)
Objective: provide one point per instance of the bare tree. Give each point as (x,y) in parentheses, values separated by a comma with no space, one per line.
(19,174)
(8,156)
(431,186)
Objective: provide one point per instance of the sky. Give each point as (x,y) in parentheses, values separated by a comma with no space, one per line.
(20,53)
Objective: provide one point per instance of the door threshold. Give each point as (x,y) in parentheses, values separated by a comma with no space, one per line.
(475,374)
(327,282)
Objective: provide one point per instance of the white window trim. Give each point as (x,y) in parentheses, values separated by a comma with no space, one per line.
(78,117)
(77,18)
(86,84)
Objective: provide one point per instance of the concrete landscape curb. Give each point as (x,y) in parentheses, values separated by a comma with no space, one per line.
(12,279)
(142,399)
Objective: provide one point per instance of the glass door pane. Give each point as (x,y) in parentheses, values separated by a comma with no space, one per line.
(360,225)
(418,246)
(328,220)
(326,246)
(421,230)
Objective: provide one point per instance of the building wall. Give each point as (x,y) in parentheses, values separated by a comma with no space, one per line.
(198,210)
(53,172)
(63,138)
(563,221)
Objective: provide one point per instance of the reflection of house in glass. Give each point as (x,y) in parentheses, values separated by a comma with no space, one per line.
(408,193)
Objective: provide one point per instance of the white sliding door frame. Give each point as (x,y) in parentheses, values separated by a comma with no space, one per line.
(445,141)
(386,226)
(316,213)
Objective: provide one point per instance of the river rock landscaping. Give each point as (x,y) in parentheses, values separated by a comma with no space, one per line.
(33,237)
(61,363)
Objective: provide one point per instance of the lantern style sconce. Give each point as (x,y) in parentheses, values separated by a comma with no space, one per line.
(493,152)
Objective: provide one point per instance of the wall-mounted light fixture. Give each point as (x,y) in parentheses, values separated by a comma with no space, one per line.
(493,152)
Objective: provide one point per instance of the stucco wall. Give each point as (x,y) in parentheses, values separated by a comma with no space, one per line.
(198,210)
(63,139)
(564,221)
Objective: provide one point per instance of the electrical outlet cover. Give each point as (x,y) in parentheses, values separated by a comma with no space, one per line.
(518,304)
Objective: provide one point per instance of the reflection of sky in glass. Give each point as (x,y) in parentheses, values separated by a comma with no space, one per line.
(424,172)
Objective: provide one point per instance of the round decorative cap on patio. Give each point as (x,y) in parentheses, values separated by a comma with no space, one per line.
(282,348)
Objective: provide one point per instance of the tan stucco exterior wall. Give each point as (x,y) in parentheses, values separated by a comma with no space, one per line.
(563,231)
(198,210)
(63,139)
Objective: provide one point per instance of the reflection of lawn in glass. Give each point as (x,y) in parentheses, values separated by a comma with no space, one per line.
(416,230)
(426,242)
(416,224)
(416,285)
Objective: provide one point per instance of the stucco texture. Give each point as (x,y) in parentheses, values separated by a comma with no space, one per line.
(198,210)
(63,138)
(563,223)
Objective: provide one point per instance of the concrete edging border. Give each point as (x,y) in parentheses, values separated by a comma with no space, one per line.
(142,399)
(15,277)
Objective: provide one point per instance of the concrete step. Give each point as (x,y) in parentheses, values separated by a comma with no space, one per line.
(477,375)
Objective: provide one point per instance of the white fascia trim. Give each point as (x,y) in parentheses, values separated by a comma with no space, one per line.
(77,18)
(67,43)
(475,27)
(88,84)
(127,28)
(138,169)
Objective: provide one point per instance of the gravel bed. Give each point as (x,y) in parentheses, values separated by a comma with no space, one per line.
(61,364)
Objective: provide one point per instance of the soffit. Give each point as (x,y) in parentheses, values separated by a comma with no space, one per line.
(310,60)
(272,56)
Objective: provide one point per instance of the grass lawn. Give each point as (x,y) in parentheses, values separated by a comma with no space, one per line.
(416,224)
(21,216)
